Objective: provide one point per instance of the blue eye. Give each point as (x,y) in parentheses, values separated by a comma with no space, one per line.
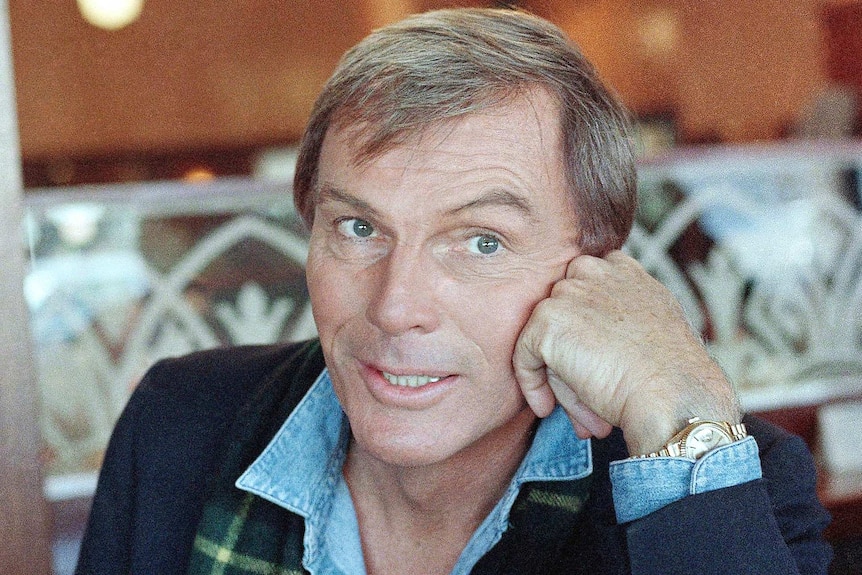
(362,228)
(484,244)
(357,228)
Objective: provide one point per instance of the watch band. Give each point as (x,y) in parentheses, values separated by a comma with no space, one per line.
(699,437)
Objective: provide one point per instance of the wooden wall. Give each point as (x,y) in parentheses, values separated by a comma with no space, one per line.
(186,75)
(843,25)
(734,70)
(234,73)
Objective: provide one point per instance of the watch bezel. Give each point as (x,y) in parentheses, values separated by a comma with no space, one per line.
(692,445)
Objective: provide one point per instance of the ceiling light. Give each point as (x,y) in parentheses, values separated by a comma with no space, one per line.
(110,14)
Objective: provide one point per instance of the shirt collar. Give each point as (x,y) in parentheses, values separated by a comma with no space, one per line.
(303,460)
(305,457)
(301,470)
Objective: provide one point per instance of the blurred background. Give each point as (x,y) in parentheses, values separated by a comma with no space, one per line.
(149,213)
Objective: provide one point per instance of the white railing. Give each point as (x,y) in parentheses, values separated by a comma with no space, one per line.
(762,245)
(772,270)
(124,275)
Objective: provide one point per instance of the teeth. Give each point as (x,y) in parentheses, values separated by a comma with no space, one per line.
(410,380)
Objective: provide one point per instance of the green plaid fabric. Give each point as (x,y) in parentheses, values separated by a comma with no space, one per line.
(245,541)
(239,533)
(242,534)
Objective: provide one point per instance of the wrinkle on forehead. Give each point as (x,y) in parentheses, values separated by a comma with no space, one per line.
(369,145)
(533,115)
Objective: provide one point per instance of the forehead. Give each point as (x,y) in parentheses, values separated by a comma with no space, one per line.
(515,145)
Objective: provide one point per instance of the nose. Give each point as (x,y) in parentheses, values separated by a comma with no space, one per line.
(404,297)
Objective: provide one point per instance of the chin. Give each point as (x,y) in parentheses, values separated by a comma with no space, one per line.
(403,449)
(441,442)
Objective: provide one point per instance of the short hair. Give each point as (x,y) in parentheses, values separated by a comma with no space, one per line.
(443,64)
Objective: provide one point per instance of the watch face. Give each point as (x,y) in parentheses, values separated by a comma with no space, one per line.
(705,437)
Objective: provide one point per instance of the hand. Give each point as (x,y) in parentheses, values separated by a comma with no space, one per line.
(612,346)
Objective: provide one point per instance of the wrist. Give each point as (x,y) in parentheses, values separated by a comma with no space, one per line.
(651,422)
(699,437)
(651,437)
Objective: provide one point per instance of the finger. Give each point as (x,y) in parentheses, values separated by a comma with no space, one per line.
(620,257)
(531,374)
(583,418)
(581,431)
(581,265)
(585,421)
(570,404)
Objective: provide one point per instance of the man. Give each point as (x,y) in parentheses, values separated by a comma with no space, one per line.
(489,366)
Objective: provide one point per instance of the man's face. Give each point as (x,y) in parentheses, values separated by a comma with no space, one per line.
(424,266)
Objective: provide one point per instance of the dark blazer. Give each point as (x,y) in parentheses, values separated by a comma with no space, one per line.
(167,444)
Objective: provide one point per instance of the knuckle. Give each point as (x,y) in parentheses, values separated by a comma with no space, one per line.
(585,266)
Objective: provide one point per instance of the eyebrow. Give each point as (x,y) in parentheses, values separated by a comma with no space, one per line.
(329,193)
(498,198)
(492,198)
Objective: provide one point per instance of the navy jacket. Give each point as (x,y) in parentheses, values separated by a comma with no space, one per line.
(167,444)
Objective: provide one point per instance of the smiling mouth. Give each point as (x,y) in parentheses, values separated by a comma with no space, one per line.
(410,380)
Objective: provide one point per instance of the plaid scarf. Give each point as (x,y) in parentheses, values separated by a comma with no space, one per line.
(243,534)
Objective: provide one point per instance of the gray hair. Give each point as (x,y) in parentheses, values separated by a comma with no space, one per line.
(443,64)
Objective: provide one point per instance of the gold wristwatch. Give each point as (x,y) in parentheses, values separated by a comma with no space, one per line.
(699,437)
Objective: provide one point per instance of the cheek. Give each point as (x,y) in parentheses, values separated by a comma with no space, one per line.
(493,317)
(330,294)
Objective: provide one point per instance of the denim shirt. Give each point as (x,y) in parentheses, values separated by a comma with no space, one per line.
(301,470)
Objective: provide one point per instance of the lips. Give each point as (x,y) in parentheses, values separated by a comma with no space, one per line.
(410,380)
(412,389)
